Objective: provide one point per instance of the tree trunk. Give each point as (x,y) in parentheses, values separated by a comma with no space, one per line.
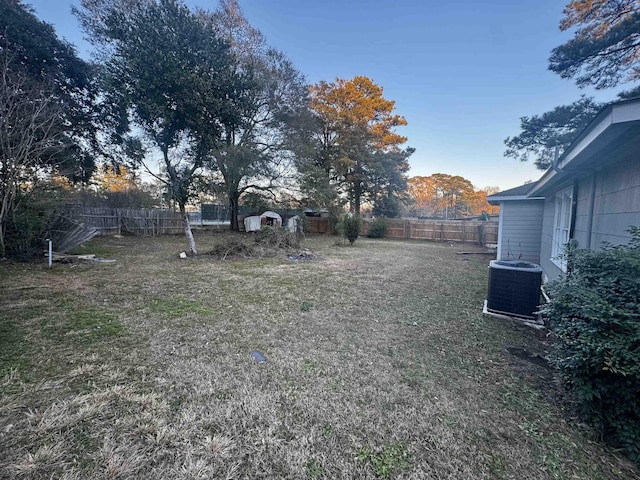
(3,250)
(187,230)
(3,224)
(234,200)
(356,208)
(356,199)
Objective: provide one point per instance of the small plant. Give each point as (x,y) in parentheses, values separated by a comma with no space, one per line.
(327,430)
(314,469)
(305,306)
(594,314)
(349,227)
(309,366)
(392,458)
(378,228)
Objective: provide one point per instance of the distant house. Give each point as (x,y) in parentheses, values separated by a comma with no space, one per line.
(591,195)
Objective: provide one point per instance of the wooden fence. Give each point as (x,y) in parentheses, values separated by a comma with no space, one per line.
(464,231)
(111,221)
(142,221)
(468,231)
(319,225)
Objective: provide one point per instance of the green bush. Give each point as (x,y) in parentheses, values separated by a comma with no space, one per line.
(595,315)
(30,223)
(378,228)
(349,227)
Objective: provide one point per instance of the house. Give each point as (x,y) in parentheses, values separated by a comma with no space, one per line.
(590,195)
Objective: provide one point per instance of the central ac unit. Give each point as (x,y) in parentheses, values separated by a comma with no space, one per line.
(514,288)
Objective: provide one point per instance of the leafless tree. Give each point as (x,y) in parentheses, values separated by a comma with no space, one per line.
(31,134)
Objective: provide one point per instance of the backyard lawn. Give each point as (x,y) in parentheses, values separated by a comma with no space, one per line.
(380,364)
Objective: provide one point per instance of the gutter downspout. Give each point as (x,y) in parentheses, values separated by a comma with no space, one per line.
(592,203)
(500,225)
(556,156)
(574,209)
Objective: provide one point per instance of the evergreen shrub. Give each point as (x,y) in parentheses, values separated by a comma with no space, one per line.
(595,315)
(378,228)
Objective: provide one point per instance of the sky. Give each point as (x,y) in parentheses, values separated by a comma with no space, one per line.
(461,72)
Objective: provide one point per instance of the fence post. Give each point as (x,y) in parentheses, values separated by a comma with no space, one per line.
(442,232)
(464,232)
(407,229)
(481,234)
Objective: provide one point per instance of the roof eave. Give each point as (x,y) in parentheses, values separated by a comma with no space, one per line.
(497,199)
(613,114)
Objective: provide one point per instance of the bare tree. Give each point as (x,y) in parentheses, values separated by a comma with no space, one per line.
(31,135)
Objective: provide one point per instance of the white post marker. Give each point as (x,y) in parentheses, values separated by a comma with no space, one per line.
(50,251)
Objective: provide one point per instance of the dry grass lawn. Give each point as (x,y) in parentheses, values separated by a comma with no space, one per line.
(380,364)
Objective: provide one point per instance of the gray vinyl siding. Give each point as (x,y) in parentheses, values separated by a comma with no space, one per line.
(617,203)
(616,206)
(550,269)
(520,230)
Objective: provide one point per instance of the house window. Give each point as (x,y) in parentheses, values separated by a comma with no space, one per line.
(561,226)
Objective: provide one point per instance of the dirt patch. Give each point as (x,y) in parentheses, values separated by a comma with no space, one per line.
(530,357)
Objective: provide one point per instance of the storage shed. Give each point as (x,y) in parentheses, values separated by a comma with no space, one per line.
(254,223)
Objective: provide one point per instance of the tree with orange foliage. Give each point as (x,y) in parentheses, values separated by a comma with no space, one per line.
(477,203)
(452,194)
(118,187)
(356,145)
(112,179)
(447,196)
(423,192)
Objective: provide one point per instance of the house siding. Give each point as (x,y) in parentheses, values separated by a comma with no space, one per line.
(617,203)
(602,165)
(616,206)
(521,228)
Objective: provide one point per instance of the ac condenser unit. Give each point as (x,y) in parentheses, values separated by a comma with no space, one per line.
(514,288)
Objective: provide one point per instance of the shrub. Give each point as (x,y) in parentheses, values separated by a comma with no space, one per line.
(595,315)
(349,227)
(378,228)
(34,215)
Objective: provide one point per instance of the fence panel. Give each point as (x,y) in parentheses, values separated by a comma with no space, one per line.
(467,231)
(319,225)
(142,221)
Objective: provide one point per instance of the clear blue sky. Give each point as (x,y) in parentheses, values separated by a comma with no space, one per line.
(462,73)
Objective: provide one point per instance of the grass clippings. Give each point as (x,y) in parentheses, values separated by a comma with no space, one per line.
(379,365)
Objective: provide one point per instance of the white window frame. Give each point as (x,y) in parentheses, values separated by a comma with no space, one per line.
(561,226)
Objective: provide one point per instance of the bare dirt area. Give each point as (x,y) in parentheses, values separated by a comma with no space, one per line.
(379,364)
